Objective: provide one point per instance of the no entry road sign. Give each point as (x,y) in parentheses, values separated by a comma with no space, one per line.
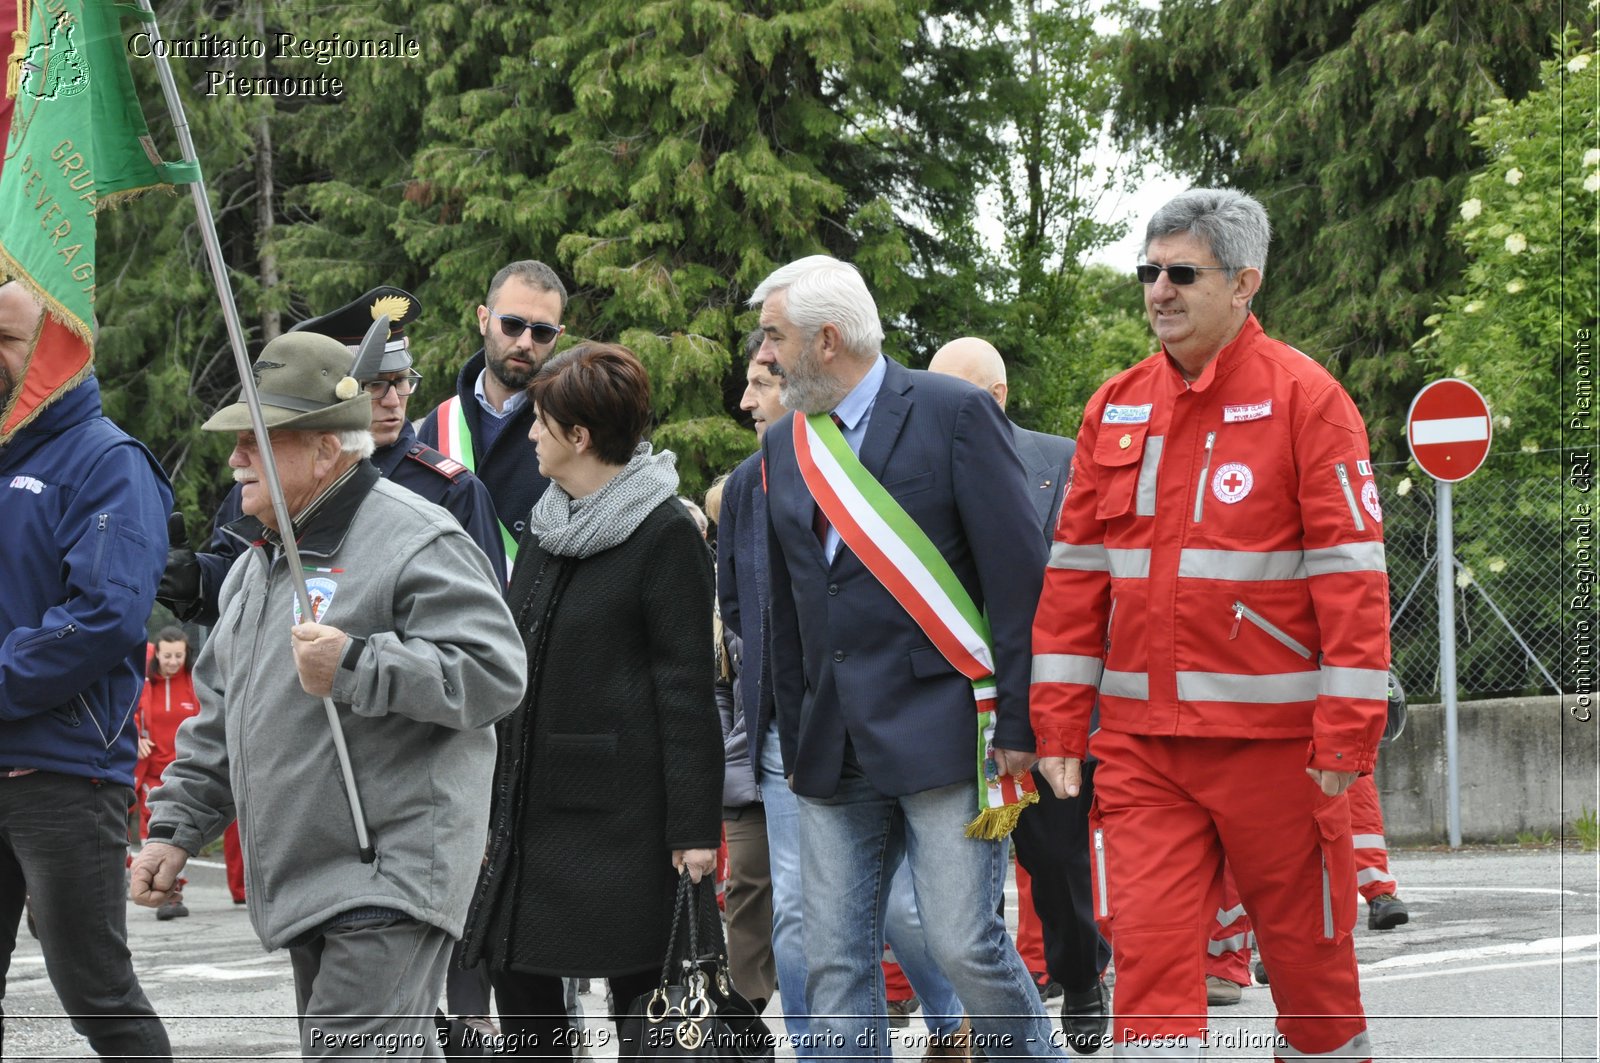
(1448,429)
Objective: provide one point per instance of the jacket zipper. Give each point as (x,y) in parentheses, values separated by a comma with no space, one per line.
(1242,612)
(1100,868)
(1350,496)
(1205,474)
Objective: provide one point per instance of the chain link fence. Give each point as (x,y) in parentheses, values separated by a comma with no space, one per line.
(1507,579)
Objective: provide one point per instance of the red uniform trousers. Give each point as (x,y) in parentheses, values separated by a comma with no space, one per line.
(146,777)
(1228,951)
(896,986)
(233,859)
(1167,810)
(1372,852)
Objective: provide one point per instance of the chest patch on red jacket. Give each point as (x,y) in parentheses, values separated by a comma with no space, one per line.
(1250,411)
(1231,482)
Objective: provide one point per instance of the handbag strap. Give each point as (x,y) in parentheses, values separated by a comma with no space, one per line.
(679,904)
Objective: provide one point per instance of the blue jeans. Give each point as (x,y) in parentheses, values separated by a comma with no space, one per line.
(851,843)
(64,840)
(902,928)
(783,846)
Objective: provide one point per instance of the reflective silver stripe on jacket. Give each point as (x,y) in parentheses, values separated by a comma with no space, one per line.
(1351,557)
(1234,943)
(1371,684)
(1066,668)
(1368,875)
(1129,564)
(1242,565)
(1134,685)
(1358,1047)
(1144,504)
(1369,841)
(1079,558)
(1281,689)
(1122,564)
(1228,915)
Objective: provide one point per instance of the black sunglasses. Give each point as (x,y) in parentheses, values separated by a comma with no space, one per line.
(1147,272)
(512,326)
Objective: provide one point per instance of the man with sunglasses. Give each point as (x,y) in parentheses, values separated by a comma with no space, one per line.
(192,581)
(484,425)
(1217,587)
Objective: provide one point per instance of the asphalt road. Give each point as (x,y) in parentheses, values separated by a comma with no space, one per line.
(1499,962)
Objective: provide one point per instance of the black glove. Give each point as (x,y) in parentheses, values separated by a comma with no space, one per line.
(180,581)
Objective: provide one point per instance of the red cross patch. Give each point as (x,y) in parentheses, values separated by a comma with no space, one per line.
(1232,482)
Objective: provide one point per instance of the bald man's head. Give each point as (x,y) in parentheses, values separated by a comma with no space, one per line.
(975,361)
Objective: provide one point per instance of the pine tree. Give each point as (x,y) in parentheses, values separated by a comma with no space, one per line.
(1350,122)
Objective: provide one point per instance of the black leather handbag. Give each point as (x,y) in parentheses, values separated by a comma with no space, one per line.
(694,1013)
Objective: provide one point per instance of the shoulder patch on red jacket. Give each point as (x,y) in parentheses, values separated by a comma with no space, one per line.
(439,462)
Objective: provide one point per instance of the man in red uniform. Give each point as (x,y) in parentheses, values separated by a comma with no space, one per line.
(1217,580)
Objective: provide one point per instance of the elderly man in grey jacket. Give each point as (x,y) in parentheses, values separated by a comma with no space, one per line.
(419,653)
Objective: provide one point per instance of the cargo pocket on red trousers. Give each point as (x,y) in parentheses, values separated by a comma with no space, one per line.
(1337,912)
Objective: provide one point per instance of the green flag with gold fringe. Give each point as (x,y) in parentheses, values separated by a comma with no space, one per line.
(78,143)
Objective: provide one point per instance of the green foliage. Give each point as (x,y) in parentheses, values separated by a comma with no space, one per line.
(1350,122)
(1527,223)
(1064,328)
(1586,828)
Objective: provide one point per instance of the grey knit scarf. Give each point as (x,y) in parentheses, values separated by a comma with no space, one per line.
(582,527)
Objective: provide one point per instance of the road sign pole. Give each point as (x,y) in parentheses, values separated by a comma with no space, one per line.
(1447,658)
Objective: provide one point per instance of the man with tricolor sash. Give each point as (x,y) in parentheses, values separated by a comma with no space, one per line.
(905,563)
(485,424)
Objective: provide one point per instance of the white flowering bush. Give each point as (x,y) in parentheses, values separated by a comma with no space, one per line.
(1502,329)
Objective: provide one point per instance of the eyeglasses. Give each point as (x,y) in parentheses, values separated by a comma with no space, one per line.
(1147,272)
(379,389)
(512,326)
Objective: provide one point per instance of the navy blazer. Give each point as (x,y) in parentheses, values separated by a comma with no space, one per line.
(742,592)
(1046,459)
(845,656)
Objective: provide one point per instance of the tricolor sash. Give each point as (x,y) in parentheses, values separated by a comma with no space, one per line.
(455,439)
(900,556)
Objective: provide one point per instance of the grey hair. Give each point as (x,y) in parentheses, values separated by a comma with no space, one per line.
(1232,225)
(357,441)
(753,342)
(534,274)
(823,290)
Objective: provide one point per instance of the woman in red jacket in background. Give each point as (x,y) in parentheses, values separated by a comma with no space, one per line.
(167,701)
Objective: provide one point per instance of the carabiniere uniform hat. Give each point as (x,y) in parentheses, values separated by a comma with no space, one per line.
(350,323)
(304,383)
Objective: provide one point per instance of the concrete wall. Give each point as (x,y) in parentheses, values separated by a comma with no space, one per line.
(1525,764)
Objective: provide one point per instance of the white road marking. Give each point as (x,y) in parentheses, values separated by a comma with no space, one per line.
(1518,948)
(1452,972)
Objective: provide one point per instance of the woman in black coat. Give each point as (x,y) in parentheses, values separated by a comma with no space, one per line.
(609,778)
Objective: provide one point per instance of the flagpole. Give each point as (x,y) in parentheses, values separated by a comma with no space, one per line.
(269,468)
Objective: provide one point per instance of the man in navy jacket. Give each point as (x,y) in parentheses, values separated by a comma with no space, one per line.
(485,424)
(878,729)
(84,508)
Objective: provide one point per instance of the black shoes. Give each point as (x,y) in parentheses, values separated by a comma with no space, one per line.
(1386,912)
(1048,990)
(900,1012)
(1084,1018)
(171,910)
